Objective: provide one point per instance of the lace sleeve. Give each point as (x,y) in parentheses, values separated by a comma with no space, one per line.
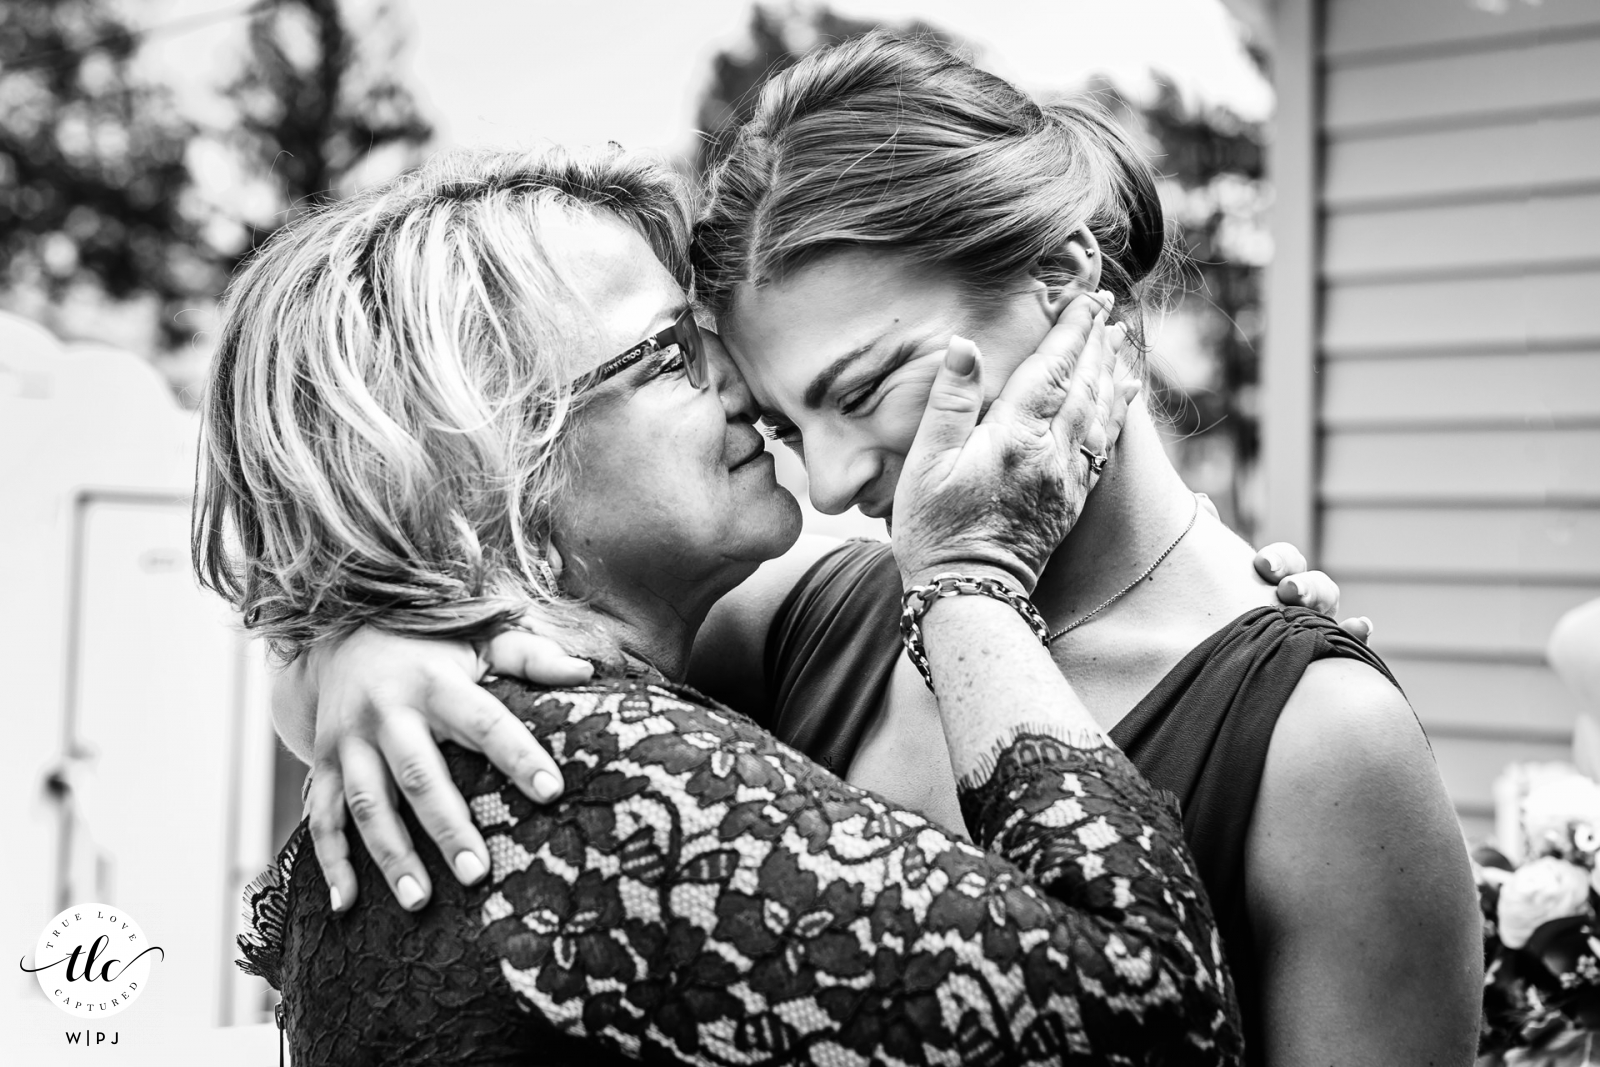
(705,895)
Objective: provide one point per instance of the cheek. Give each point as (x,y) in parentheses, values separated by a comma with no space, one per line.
(1012,337)
(895,422)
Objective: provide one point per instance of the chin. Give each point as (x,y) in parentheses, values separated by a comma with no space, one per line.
(782,518)
(769,520)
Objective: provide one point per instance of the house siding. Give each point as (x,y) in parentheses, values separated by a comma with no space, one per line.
(1456,429)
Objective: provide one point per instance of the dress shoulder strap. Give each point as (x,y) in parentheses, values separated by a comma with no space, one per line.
(831,651)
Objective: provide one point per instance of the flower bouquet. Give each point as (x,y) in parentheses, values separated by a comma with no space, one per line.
(1539,892)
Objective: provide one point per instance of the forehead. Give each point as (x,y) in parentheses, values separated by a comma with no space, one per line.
(622,290)
(853,281)
(782,332)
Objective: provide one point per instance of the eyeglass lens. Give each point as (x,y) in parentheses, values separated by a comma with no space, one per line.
(694,350)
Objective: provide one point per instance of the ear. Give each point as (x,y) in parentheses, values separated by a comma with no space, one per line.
(1083,260)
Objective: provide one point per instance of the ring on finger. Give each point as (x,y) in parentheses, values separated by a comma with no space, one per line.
(1097,460)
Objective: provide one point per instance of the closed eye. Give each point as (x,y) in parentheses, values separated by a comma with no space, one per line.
(856,401)
(777,430)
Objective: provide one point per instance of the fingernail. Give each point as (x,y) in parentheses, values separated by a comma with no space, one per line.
(546,787)
(1299,587)
(1274,561)
(582,666)
(408,892)
(961,357)
(335,899)
(1372,627)
(469,868)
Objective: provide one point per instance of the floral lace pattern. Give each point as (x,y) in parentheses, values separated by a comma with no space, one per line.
(704,895)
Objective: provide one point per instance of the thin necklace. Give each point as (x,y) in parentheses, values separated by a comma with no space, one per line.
(1125,590)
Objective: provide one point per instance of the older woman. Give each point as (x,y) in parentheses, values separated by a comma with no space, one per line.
(425,395)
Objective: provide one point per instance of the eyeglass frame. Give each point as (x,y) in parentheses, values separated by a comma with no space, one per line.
(684,332)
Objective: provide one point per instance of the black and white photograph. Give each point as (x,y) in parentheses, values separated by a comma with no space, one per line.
(817,532)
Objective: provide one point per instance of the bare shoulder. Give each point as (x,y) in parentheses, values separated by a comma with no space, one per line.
(1359,888)
(1349,783)
(1347,727)
(726,663)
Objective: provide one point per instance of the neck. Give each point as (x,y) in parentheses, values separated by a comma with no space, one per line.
(651,625)
(1136,510)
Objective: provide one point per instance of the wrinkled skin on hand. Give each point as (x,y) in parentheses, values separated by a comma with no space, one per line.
(1005,491)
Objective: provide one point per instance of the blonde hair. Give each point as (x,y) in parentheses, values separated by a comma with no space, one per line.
(382,434)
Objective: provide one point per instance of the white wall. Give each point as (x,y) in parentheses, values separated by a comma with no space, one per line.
(124,679)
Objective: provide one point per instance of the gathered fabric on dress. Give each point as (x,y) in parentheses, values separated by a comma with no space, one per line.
(703,894)
(1201,734)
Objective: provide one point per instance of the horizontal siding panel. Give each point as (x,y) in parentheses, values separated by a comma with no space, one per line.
(1505,699)
(1498,238)
(1491,466)
(1483,542)
(1553,74)
(1424,390)
(1354,26)
(1552,309)
(1504,159)
(1469,766)
(1473,621)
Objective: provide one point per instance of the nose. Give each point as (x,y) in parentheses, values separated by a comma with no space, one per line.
(723,376)
(838,471)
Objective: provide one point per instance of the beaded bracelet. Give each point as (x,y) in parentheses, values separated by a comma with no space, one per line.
(916,601)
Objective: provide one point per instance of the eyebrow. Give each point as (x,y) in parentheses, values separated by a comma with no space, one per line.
(823,382)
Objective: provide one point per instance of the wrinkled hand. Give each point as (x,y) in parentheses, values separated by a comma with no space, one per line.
(1004,492)
(382,701)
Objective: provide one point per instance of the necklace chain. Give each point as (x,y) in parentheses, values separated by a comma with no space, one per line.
(1125,590)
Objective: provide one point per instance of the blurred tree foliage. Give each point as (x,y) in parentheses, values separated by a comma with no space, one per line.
(97,178)
(778,37)
(316,101)
(1212,189)
(93,178)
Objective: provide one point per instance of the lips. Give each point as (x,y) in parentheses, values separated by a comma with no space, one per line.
(757,449)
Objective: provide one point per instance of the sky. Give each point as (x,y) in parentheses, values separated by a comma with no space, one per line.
(519,73)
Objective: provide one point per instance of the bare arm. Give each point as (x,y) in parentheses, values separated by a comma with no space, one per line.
(1365,915)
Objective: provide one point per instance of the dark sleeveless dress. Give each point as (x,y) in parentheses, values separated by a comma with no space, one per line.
(1201,734)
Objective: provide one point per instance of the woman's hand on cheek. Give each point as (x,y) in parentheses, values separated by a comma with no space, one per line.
(1005,492)
(381,702)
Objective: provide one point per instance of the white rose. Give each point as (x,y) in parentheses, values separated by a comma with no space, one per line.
(1538,892)
(1553,806)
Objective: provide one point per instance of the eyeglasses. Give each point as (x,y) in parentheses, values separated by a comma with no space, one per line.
(684,332)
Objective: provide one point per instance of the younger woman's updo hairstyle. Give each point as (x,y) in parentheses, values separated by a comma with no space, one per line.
(892,142)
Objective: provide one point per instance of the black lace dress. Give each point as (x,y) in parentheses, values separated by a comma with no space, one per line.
(702,894)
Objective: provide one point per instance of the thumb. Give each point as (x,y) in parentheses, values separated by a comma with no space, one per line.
(954,403)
